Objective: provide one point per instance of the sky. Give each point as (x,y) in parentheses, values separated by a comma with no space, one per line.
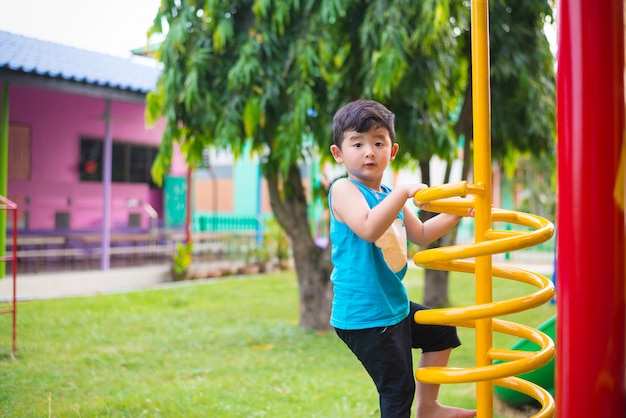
(108,26)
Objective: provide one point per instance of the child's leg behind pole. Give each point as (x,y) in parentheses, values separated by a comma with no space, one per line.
(436,343)
(427,394)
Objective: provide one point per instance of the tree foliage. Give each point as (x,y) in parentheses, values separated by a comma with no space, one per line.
(275,72)
(272,73)
(523,85)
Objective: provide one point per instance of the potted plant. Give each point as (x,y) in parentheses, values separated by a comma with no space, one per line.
(263,257)
(181,260)
(276,244)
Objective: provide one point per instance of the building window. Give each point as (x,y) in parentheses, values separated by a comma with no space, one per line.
(131,163)
(19,152)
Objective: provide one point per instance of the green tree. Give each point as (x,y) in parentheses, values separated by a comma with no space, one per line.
(251,71)
(272,74)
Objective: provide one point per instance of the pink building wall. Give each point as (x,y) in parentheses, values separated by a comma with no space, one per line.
(58,121)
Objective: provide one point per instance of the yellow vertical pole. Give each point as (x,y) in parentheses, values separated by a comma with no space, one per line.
(482,176)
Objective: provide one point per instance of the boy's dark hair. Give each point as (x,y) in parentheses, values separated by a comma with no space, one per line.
(362,116)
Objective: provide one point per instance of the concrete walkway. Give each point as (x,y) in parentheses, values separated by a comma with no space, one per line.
(52,285)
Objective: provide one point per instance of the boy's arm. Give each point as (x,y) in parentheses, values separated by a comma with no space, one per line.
(423,233)
(349,206)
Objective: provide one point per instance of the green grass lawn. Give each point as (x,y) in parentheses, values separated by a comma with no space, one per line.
(228,348)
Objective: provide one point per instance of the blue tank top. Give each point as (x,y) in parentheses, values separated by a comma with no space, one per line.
(367,276)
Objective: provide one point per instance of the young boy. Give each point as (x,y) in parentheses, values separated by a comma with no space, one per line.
(369,226)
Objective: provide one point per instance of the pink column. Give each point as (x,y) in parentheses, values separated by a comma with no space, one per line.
(590,237)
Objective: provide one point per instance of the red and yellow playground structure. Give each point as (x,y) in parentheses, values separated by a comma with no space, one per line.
(591,260)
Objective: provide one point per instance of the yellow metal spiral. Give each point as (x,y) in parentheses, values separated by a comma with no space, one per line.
(476,258)
(446,199)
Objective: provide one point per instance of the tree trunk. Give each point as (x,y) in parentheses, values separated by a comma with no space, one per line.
(313,265)
(315,289)
(436,288)
(465,126)
(435,281)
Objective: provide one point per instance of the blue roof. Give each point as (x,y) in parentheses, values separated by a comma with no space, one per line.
(37,57)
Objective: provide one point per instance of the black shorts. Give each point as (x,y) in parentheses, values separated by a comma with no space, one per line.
(385,352)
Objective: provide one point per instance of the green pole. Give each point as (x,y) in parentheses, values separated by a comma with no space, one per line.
(4,171)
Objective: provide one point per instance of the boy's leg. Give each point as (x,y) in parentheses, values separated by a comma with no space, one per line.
(386,355)
(436,343)
(427,394)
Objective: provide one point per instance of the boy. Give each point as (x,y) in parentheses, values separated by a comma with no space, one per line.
(369,227)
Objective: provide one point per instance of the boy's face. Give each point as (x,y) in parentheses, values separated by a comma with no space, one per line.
(365,155)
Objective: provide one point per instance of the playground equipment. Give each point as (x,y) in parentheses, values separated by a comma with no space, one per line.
(543,376)
(482,316)
(488,241)
(6,207)
(591,224)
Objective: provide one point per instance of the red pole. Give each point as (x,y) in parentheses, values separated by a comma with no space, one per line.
(590,237)
(14,275)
